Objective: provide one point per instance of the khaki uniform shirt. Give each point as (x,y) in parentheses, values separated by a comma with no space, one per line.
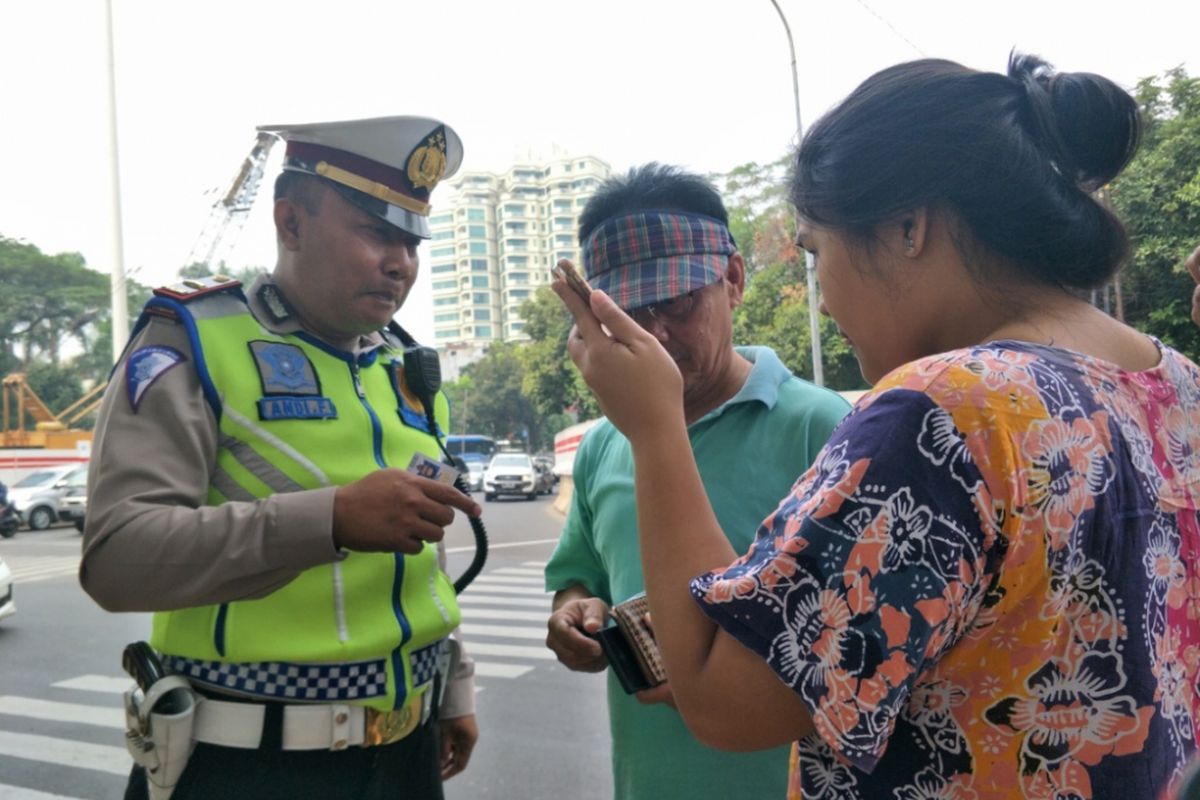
(151,544)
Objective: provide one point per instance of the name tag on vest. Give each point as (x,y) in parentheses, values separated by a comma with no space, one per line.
(273,408)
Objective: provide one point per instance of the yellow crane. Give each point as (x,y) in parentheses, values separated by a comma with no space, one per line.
(51,431)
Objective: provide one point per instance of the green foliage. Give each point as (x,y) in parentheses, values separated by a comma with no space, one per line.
(488,398)
(47,302)
(1158,197)
(774,312)
(551,382)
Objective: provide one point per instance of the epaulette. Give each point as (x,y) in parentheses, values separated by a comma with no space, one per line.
(191,288)
(163,313)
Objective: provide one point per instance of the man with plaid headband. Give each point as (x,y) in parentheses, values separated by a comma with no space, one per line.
(657,241)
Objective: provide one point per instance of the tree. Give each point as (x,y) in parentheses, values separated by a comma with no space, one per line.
(552,384)
(1158,197)
(498,407)
(48,302)
(774,311)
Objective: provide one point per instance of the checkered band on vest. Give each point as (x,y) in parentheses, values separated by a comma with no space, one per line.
(425,662)
(282,681)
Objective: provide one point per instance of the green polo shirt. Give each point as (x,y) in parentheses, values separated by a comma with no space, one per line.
(750,451)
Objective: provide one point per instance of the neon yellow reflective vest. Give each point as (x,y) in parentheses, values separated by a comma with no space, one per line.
(296,414)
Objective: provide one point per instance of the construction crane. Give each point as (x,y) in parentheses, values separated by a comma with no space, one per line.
(230,210)
(50,430)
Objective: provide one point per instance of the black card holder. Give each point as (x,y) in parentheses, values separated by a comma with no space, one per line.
(622,659)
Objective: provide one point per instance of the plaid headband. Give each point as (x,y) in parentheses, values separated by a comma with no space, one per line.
(650,256)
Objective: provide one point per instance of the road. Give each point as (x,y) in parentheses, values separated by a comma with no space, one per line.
(544,730)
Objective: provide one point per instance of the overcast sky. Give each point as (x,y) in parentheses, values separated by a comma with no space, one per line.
(706,85)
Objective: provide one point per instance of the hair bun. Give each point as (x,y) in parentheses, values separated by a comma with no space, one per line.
(1086,124)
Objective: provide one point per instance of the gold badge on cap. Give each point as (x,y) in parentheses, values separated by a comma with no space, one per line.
(427,163)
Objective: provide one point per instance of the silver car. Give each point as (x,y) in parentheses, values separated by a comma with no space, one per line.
(39,494)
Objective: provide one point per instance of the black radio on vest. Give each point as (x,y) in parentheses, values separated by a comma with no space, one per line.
(423,375)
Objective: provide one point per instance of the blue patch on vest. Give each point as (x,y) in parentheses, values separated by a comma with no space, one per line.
(284,369)
(280,407)
(146,366)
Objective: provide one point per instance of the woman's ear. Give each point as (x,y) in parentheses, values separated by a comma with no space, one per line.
(913,231)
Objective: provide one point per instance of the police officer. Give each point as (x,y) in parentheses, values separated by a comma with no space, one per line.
(248,485)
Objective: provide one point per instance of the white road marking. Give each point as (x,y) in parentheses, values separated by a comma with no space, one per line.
(65,753)
(54,711)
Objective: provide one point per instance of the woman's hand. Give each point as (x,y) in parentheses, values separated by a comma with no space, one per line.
(635,381)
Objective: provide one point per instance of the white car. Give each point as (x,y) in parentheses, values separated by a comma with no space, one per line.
(510,473)
(7,607)
(38,495)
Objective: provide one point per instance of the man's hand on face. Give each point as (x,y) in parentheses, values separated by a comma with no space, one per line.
(393,511)
(567,634)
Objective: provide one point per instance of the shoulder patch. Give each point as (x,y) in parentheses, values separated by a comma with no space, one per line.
(191,288)
(144,367)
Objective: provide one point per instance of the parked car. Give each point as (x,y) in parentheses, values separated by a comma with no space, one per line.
(544,477)
(73,504)
(510,473)
(547,462)
(38,495)
(7,607)
(475,470)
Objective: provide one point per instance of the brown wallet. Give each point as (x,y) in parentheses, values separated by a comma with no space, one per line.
(630,647)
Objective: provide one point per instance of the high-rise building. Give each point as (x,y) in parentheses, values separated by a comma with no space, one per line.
(494,243)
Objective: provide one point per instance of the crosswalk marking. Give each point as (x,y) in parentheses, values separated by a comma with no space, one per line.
(490,669)
(507,631)
(504,589)
(501,613)
(29,569)
(62,712)
(65,752)
(487,599)
(19,793)
(508,651)
(504,627)
(493,578)
(96,683)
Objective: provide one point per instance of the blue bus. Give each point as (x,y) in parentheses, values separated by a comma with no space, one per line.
(474,449)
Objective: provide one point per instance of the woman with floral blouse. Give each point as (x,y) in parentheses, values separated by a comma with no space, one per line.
(989,583)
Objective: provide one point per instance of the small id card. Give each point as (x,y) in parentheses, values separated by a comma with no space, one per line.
(427,467)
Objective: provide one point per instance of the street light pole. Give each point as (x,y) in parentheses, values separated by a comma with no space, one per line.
(810,270)
(120,311)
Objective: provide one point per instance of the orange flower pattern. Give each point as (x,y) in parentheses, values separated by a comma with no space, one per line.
(988,584)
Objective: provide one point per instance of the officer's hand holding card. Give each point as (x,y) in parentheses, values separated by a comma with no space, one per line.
(427,467)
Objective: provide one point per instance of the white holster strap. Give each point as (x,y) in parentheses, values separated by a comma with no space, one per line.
(333,726)
(160,743)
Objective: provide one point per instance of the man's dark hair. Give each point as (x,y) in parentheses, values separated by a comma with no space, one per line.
(301,188)
(651,186)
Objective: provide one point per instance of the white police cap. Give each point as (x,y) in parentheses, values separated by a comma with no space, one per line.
(387,166)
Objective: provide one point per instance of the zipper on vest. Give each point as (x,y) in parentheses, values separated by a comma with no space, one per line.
(358,387)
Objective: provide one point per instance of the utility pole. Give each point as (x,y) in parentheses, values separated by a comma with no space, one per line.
(810,270)
(120,310)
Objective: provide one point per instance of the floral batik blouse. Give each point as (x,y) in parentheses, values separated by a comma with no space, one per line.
(988,584)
